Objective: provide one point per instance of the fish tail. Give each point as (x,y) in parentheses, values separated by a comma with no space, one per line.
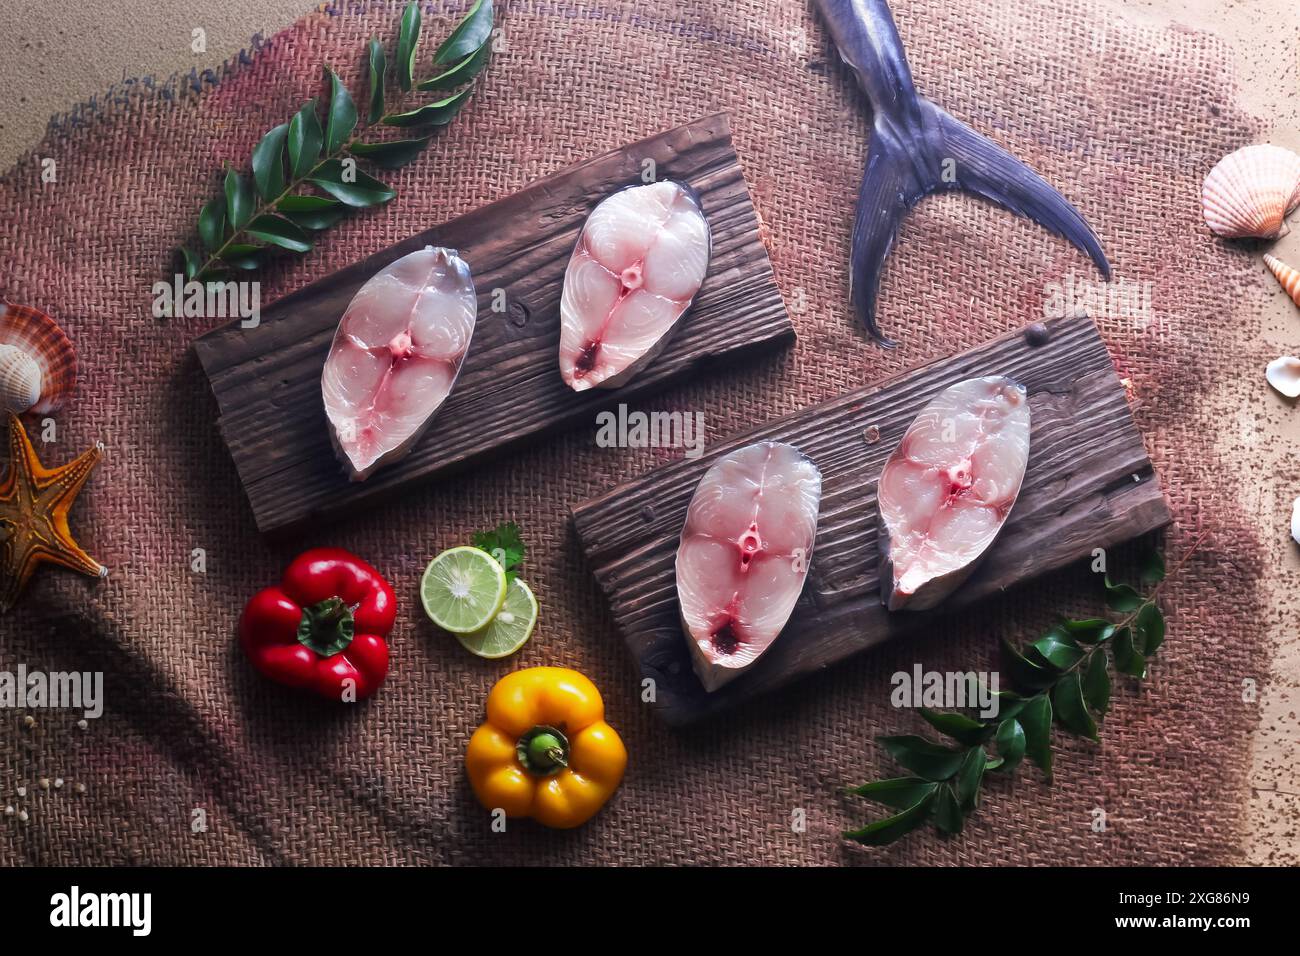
(986,169)
(908,161)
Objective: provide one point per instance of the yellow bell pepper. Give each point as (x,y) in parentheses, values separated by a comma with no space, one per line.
(545,751)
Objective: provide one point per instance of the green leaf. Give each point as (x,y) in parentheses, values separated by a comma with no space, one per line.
(1058,649)
(1122,597)
(887,830)
(432,114)
(312,212)
(897,792)
(390,155)
(1071,711)
(408,38)
(1036,721)
(305,138)
(1024,673)
(947,811)
(350,184)
(1009,703)
(1010,741)
(505,544)
(957,726)
(1153,568)
(268,162)
(342,118)
(969,775)
(212,224)
(462,72)
(279,231)
(377,67)
(1128,659)
(239,199)
(472,33)
(1091,631)
(318,221)
(1150,628)
(923,758)
(190,261)
(1096,683)
(243,256)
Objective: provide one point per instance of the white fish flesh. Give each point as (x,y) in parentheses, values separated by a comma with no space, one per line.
(396,355)
(638,264)
(744,555)
(946,491)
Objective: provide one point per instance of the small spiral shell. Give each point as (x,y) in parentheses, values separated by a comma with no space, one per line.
(1290,278)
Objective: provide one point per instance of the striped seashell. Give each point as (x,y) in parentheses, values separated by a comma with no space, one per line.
(1250,192)
(1290,278)
(40,339)
(20,380)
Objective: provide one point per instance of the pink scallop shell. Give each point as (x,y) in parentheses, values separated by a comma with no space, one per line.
(1250,192)
(40,337)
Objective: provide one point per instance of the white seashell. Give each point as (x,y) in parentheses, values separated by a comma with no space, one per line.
(1295,521)
(1250,192)
(20,380)
(1284,375)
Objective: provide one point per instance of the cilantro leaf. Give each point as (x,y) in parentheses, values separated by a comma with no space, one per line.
(505,545)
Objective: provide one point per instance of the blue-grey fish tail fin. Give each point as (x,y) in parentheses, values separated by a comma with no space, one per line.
(944,153)
(890,187)
(986,169)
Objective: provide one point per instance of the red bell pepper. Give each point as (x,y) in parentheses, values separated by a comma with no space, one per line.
(323,628)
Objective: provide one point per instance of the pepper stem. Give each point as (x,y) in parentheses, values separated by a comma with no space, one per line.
(543,751)
(327,628)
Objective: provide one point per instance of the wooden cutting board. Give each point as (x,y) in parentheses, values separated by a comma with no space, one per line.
(1089,484)
(267,379)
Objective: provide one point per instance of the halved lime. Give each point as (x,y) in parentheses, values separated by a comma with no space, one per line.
(462,589)
(510,629)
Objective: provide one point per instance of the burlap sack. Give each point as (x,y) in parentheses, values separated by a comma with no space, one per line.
(1124,119)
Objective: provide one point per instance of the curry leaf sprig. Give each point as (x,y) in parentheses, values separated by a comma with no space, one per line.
(278,209)
(1064,676)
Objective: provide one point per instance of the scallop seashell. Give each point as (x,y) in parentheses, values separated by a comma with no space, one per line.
(1284,375)
(1250,192)
(1290,278)
(39,337)
(20,380)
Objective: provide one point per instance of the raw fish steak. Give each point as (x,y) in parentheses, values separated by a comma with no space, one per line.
(947,489)
(638,264)
(395,356)
(744,555)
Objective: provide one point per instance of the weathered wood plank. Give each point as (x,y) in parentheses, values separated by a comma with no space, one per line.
(1089,484)
(267,380)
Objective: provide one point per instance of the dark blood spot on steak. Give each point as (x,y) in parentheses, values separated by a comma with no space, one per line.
(587,358)
(725,640)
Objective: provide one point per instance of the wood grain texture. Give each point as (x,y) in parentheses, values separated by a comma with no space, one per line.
(267,379)
(1089,484)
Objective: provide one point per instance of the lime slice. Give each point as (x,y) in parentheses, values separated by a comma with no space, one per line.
(510,629)
(462,589)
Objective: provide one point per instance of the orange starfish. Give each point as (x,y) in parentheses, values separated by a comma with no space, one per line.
(34,505)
